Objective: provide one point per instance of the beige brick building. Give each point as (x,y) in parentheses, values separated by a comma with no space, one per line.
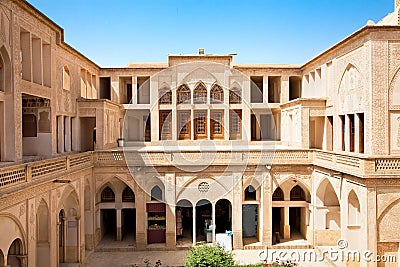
(164,155)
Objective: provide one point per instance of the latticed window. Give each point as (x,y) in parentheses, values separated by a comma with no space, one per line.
(165,124)
(200,94)
(184,124)
(216,94)
(128,195)
(235,123)
(183,94)
(107,195)
(235,96)
(216,123)
(278,195)
(201,123)
(297,193)
(165,96)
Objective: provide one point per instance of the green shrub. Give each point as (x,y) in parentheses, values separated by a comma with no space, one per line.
(209,256)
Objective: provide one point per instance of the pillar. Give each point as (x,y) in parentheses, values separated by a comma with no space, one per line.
(141,216)
(60,135)
(213,221)
(265,89)
(237,211)
(266,210)
(284,97)
(67,134)
(134,90)
(347,132)
(286,227)
(119,225)
(194,224)
(170,200)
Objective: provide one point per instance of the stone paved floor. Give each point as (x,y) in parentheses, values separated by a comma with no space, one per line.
(169,258)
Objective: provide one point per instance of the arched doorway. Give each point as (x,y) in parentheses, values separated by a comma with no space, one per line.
(128,215)
(42,235)
(204,221)
(290,212)
(327,214)
(223,216)
(61,236)
(14,254)
(108,214)
(184,222)
(69,227)
(6,107)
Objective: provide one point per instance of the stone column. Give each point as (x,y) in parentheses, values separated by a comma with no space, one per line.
(60,135)
(237,211)
(265,89)
(170,210)
(284,97)
(266,210)
(213,221)
(286,229)
(347,132)
(194,224)
(119,225)
(67,135)
(134,90)
(141,219)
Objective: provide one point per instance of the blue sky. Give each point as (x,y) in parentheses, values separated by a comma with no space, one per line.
(113,33)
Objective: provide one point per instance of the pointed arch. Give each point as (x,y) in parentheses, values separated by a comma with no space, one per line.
(216,94)
(235,95)
(128,195)
(5,70)
(165,94)
(156,193)
(353,209)
(107,195)
(297,194)
(278,195)
(42,235)
(183,94)
(200,93)
(250,193)
(14,252)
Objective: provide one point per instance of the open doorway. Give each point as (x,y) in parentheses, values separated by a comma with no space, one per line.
(250,223)
(203,221)
(128,224)
(108,224)
(277,225)
(184,223)
(223,216)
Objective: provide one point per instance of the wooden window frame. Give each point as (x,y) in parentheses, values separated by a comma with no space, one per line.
(199,116)
(165,116)
(237,135)
(214,121)
(186,135)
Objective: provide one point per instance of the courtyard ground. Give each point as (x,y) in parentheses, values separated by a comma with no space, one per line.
(168,258)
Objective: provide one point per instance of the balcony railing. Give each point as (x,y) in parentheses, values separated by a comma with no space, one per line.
(46,170)
(51,168)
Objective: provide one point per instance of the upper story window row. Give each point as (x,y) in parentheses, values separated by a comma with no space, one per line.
(200,95)
(35,58)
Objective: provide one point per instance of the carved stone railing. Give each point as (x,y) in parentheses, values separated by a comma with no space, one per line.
(17,174)
(181,158)
(358,164)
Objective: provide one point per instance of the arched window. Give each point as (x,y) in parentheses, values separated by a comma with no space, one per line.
(250,193)
(216,94)
(156,193)
(278,195)
(165,96)
(297,194)
(128,195)
(107,195)
(200,94)
(66,78)
(353,209)
(183,95)
(235,96)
